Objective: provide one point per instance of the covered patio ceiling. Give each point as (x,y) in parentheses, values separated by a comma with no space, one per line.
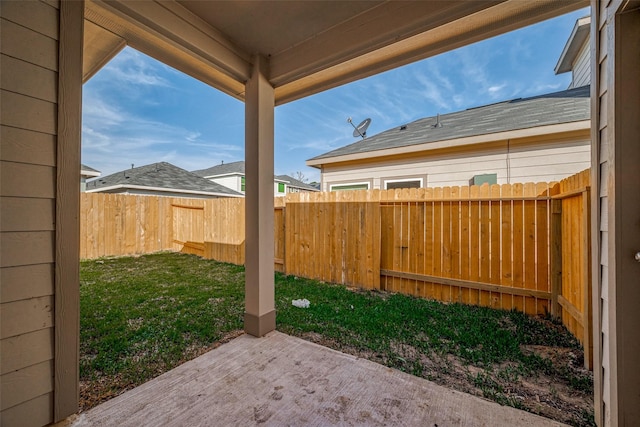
(311,46)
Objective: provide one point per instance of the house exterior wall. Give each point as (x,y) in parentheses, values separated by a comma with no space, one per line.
(581,68)
(615,36)
(233,182)
(513,162)
(28,132)
(276,188)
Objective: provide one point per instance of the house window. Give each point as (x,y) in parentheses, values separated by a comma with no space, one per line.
(242,184)
(353,186)
(281,187)
(402,183)
(488,178)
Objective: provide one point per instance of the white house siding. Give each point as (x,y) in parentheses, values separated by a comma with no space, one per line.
(28,130)
(545,162)
(581,74)
(233,182)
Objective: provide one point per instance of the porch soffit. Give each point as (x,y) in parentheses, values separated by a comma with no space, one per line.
(312,45)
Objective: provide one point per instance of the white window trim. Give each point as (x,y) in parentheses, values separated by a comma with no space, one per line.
(346,184)
(387,181)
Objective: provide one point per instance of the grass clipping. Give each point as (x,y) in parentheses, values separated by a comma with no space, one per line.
(142,316)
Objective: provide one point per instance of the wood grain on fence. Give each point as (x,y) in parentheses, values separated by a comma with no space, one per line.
(118,224)
(485,245)
(333,237)
(575,294)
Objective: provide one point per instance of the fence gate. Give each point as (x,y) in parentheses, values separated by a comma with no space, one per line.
(188,227)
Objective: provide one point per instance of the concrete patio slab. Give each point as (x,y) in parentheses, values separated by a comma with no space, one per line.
(281,380)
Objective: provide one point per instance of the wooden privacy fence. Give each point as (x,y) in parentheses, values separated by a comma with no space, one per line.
(486,245)
(519,246)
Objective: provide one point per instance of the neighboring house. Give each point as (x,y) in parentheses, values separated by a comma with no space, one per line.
(87,172)
(159,179)
(232,175)
(542,138)
(576,55)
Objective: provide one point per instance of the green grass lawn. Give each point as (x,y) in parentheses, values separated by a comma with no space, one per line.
(141,316)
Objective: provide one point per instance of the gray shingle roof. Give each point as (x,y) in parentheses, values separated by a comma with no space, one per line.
(296,183)
(161,175)
(560,107)
(223,169)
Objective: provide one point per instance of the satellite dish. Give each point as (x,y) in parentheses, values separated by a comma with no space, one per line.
(361,129)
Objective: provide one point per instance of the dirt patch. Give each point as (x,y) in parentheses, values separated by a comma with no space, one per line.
(540,394)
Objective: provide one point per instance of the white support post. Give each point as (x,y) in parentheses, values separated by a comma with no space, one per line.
(260,314)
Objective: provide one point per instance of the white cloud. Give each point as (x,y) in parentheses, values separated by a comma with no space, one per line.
(433,92)
(133,68)
(496,91)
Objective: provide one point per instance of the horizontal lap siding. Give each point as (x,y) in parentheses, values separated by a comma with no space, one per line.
(581,68)
(28,128)
(544,162)
(602,380)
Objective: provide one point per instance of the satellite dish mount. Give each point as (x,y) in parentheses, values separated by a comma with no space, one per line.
(361,129)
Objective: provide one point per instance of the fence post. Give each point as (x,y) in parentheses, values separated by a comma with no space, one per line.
(586,282)
(556,255)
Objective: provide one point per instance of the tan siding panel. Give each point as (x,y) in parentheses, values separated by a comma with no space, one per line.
(26,384)
(30,46)
(605,283)
(33,413)
(28,79)
(21,317)
(20,214)
(28,113)
(604,214)
(25,350)
(25,146)
(604,248)
(37,16)
(604,108)
(604,179)
(604,70)
(603,45)
(53,3)
(24,180)
(24,282)
(26,248)
(604,147)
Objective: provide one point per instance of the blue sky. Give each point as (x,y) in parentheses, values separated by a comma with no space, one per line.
(138,110)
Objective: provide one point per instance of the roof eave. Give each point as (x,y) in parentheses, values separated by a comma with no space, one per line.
(89,174)
(160,189)
(456,142)
(579,35)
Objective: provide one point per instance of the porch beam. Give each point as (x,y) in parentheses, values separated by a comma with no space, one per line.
(338,57)
(171,34)
(260,315)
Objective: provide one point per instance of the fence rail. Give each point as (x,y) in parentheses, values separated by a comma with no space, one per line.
(520,246)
